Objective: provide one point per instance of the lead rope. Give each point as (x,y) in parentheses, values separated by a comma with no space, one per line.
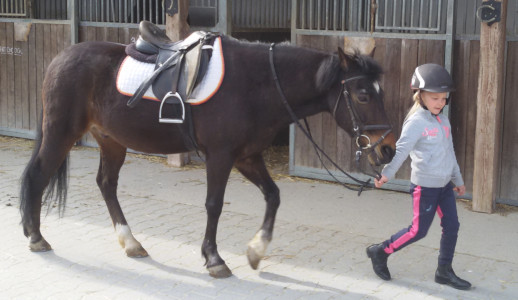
(318,150)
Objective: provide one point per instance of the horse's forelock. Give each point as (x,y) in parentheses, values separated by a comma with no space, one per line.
(327,73)
(368,66)
(330,67)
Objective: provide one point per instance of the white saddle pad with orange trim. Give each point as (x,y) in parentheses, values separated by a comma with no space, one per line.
(133,72)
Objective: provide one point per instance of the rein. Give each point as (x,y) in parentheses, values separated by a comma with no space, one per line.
(357,128)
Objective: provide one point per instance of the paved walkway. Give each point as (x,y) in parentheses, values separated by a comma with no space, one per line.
(318,250)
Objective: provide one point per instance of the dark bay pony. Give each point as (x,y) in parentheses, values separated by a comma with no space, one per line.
(232,129)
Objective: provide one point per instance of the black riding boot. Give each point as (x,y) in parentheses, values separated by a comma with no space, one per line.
(379,261)
(445,275)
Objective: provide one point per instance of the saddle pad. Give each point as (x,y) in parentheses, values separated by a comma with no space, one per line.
(133,72)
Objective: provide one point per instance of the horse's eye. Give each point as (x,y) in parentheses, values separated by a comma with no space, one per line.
(363,96)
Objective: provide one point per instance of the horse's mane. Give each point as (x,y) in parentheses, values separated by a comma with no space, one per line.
(330,68)
(327,73)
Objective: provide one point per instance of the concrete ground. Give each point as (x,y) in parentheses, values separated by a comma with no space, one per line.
(318,250)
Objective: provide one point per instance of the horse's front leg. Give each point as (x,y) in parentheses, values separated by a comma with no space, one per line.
(218,171)
(255,170)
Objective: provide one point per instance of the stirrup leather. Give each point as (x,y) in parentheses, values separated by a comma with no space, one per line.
(172,99)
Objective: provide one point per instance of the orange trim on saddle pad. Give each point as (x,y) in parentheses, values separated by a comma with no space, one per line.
(133,72)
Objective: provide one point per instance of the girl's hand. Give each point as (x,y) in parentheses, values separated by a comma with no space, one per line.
(381,181)
(460,190)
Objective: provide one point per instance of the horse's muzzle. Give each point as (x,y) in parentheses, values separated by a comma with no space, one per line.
(382,154)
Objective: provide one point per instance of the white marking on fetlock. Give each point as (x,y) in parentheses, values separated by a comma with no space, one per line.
(259,244)
(123,233)
(126,238)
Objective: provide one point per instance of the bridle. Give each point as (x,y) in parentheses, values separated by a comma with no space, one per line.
(358,128)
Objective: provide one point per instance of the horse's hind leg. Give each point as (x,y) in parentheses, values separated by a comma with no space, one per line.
(112,159)
(37,176)
(48,165)
(255,170)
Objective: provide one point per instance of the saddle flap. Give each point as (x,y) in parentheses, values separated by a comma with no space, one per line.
(192,64)
(181,76)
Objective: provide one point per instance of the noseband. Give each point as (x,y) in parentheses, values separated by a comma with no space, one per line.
(358,128)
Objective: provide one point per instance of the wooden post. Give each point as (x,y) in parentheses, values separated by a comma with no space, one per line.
(489,113)
(176,28)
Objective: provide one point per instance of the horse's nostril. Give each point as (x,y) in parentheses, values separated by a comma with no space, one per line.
(387,151)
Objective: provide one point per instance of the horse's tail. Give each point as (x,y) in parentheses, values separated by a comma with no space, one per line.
(31,188)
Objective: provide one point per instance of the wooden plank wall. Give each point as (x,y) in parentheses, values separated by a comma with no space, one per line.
(22,67)
(110,34)
(399,57)
(509,162)
(463,108)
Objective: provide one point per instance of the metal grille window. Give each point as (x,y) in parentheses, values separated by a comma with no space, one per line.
(40,9)
(261,14)
(13,8)
(323,14)
(408,16)
(334,15)
(50,9)
(201,12)
(121,11)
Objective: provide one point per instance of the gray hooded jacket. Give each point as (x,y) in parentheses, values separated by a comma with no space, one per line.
(427,139)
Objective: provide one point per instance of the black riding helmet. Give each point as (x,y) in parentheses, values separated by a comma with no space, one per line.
(432,78)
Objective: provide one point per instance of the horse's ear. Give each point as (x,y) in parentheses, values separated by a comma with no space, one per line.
(345,60)
(372,52)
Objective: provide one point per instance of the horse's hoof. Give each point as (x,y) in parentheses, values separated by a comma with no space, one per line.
(128,242)
(257,248)
(219,271)
(253,258)
(40,246)
(136,252)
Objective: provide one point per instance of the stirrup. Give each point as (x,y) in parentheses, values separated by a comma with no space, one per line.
(173,99)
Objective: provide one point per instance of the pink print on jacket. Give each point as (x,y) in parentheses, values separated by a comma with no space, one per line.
(432,132)
(447,130)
